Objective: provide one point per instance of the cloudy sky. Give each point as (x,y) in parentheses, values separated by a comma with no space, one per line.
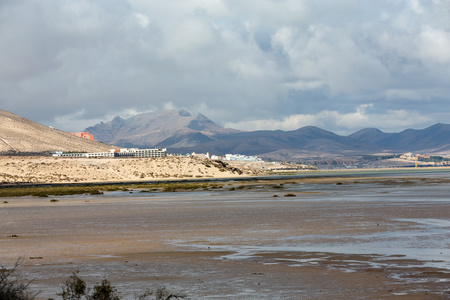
(247,64)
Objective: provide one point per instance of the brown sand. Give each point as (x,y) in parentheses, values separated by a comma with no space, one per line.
(36,169)
(188,243)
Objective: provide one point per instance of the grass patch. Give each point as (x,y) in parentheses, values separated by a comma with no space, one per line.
(100,189)
(183,186)
(45,191)
(54,200)
(290,195)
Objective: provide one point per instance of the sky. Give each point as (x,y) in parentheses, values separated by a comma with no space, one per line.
(339,65)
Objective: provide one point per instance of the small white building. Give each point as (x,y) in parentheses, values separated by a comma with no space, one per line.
(241,157)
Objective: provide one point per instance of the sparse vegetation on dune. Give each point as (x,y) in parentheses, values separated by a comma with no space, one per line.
(69,170)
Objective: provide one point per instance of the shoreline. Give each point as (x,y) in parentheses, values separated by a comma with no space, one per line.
(154,187)
(335,173)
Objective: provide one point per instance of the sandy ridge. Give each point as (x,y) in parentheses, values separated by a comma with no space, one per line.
(18,134)
(71,170)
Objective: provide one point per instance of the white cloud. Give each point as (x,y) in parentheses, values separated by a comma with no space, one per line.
(415,6)
(245,69)
(434,45)
(329,55)
(288,62)
(304,85)
(142,19)
(189,37)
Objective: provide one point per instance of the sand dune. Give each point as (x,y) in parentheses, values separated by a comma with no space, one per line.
(69,170)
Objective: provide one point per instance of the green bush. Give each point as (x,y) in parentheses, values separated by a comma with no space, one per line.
(75,289)
(104,291)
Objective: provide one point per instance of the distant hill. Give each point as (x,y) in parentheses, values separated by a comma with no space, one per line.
(370,135)
(168,128)
(180,132)
(433,139)
(304,142)
(20,135)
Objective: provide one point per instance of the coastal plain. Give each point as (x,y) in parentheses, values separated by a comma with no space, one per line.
(297,237)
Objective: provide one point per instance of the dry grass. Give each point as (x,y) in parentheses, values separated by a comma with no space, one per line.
(99,189)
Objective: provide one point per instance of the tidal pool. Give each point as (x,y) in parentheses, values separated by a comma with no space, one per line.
(336,238)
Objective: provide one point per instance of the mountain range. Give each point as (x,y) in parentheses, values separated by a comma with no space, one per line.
(181,132)
(168,128)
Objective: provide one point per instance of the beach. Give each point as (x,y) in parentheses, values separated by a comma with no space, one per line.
(376,237)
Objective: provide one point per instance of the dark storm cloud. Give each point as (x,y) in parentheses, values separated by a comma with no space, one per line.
(341,65)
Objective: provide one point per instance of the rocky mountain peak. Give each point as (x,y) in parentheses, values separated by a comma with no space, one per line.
(153,128)
(184,113)
(201,117)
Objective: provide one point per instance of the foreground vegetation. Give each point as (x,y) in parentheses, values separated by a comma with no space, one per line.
(74,288)
(12,288)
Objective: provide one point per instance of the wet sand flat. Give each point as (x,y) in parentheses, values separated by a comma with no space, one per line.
(338,238)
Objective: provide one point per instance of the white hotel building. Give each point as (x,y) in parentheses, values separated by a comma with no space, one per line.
(124,152)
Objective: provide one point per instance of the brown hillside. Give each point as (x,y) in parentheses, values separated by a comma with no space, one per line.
(19,135)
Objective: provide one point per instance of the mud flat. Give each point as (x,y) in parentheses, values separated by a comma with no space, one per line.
(319,238)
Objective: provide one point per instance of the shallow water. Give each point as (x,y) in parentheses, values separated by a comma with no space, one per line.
(425,239)
(189,238)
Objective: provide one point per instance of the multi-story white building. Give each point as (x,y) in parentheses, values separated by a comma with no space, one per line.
(135,152)
(124,152)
